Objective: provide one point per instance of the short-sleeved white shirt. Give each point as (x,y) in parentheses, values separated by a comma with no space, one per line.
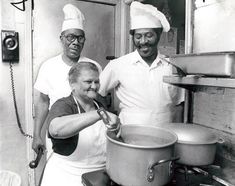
(52,79)
(140,87)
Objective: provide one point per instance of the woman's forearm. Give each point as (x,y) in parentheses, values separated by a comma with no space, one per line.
(67,126)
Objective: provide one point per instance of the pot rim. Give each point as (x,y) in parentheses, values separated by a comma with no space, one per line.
(194,143)
(144,147)
(193,134)
(217,140)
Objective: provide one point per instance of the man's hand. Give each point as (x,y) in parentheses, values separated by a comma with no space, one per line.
(37,144)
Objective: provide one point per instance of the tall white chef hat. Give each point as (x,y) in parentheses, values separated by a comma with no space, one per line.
(73,18)
(147,16)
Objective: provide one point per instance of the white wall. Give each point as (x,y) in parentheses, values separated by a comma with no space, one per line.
(13,145)
(214,26)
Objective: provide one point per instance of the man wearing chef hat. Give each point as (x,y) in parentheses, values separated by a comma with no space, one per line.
(137,77)
(52,80)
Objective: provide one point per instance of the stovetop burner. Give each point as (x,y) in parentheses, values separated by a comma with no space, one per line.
(183,176)
(184,170)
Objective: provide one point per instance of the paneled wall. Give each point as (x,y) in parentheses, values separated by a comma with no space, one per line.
(215,108)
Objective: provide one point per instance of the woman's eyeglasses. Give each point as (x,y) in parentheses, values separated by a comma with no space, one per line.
(71,38)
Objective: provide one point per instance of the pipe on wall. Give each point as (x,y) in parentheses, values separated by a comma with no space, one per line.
(189,11)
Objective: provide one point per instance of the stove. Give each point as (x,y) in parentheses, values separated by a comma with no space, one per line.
(183,176)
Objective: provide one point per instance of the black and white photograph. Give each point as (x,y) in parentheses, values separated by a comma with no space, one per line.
(117,93)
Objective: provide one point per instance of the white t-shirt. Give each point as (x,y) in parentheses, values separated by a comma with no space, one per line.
(144,97)
(52,79)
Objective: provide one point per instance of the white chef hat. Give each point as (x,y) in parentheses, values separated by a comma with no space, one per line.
(147,16)
(73,18)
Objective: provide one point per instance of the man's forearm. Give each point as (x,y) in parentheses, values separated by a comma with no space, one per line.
(41,111)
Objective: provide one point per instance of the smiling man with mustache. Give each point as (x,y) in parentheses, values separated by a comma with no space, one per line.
(137,78)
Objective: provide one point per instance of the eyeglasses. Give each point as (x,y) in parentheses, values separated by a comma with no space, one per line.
(71,38)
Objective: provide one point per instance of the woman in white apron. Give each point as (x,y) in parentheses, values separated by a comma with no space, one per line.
(76,130)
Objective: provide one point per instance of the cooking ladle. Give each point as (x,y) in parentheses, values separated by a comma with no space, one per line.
(115,133)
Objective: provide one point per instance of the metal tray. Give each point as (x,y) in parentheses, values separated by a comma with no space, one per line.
(210,64)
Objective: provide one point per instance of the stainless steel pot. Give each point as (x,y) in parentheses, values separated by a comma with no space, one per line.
(145,159)
(196,145)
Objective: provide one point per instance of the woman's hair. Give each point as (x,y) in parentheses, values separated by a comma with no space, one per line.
(76,70)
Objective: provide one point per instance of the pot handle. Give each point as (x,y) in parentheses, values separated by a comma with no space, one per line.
(150,175)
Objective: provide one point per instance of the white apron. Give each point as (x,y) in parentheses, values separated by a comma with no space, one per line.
(145,117)
(60,172)
(90,155)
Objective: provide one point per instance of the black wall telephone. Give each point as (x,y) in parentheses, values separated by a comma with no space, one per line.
(10,54)
(10,46)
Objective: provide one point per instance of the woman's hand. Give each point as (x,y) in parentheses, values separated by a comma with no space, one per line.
(111,120)
(114,121)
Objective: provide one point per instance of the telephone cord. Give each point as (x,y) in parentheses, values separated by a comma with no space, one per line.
(15,105)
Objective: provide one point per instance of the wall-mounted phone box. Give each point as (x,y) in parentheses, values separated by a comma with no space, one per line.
(10,46)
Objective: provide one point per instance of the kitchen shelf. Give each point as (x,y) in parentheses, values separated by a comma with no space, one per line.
(200,81)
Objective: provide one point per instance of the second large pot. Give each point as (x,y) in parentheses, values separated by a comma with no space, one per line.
(196,145)
(145,159)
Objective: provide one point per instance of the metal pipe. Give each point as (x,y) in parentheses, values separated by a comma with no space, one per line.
(189,11)
(188,49)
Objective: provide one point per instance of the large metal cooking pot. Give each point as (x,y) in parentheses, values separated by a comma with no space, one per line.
(145,159)
(196,145)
